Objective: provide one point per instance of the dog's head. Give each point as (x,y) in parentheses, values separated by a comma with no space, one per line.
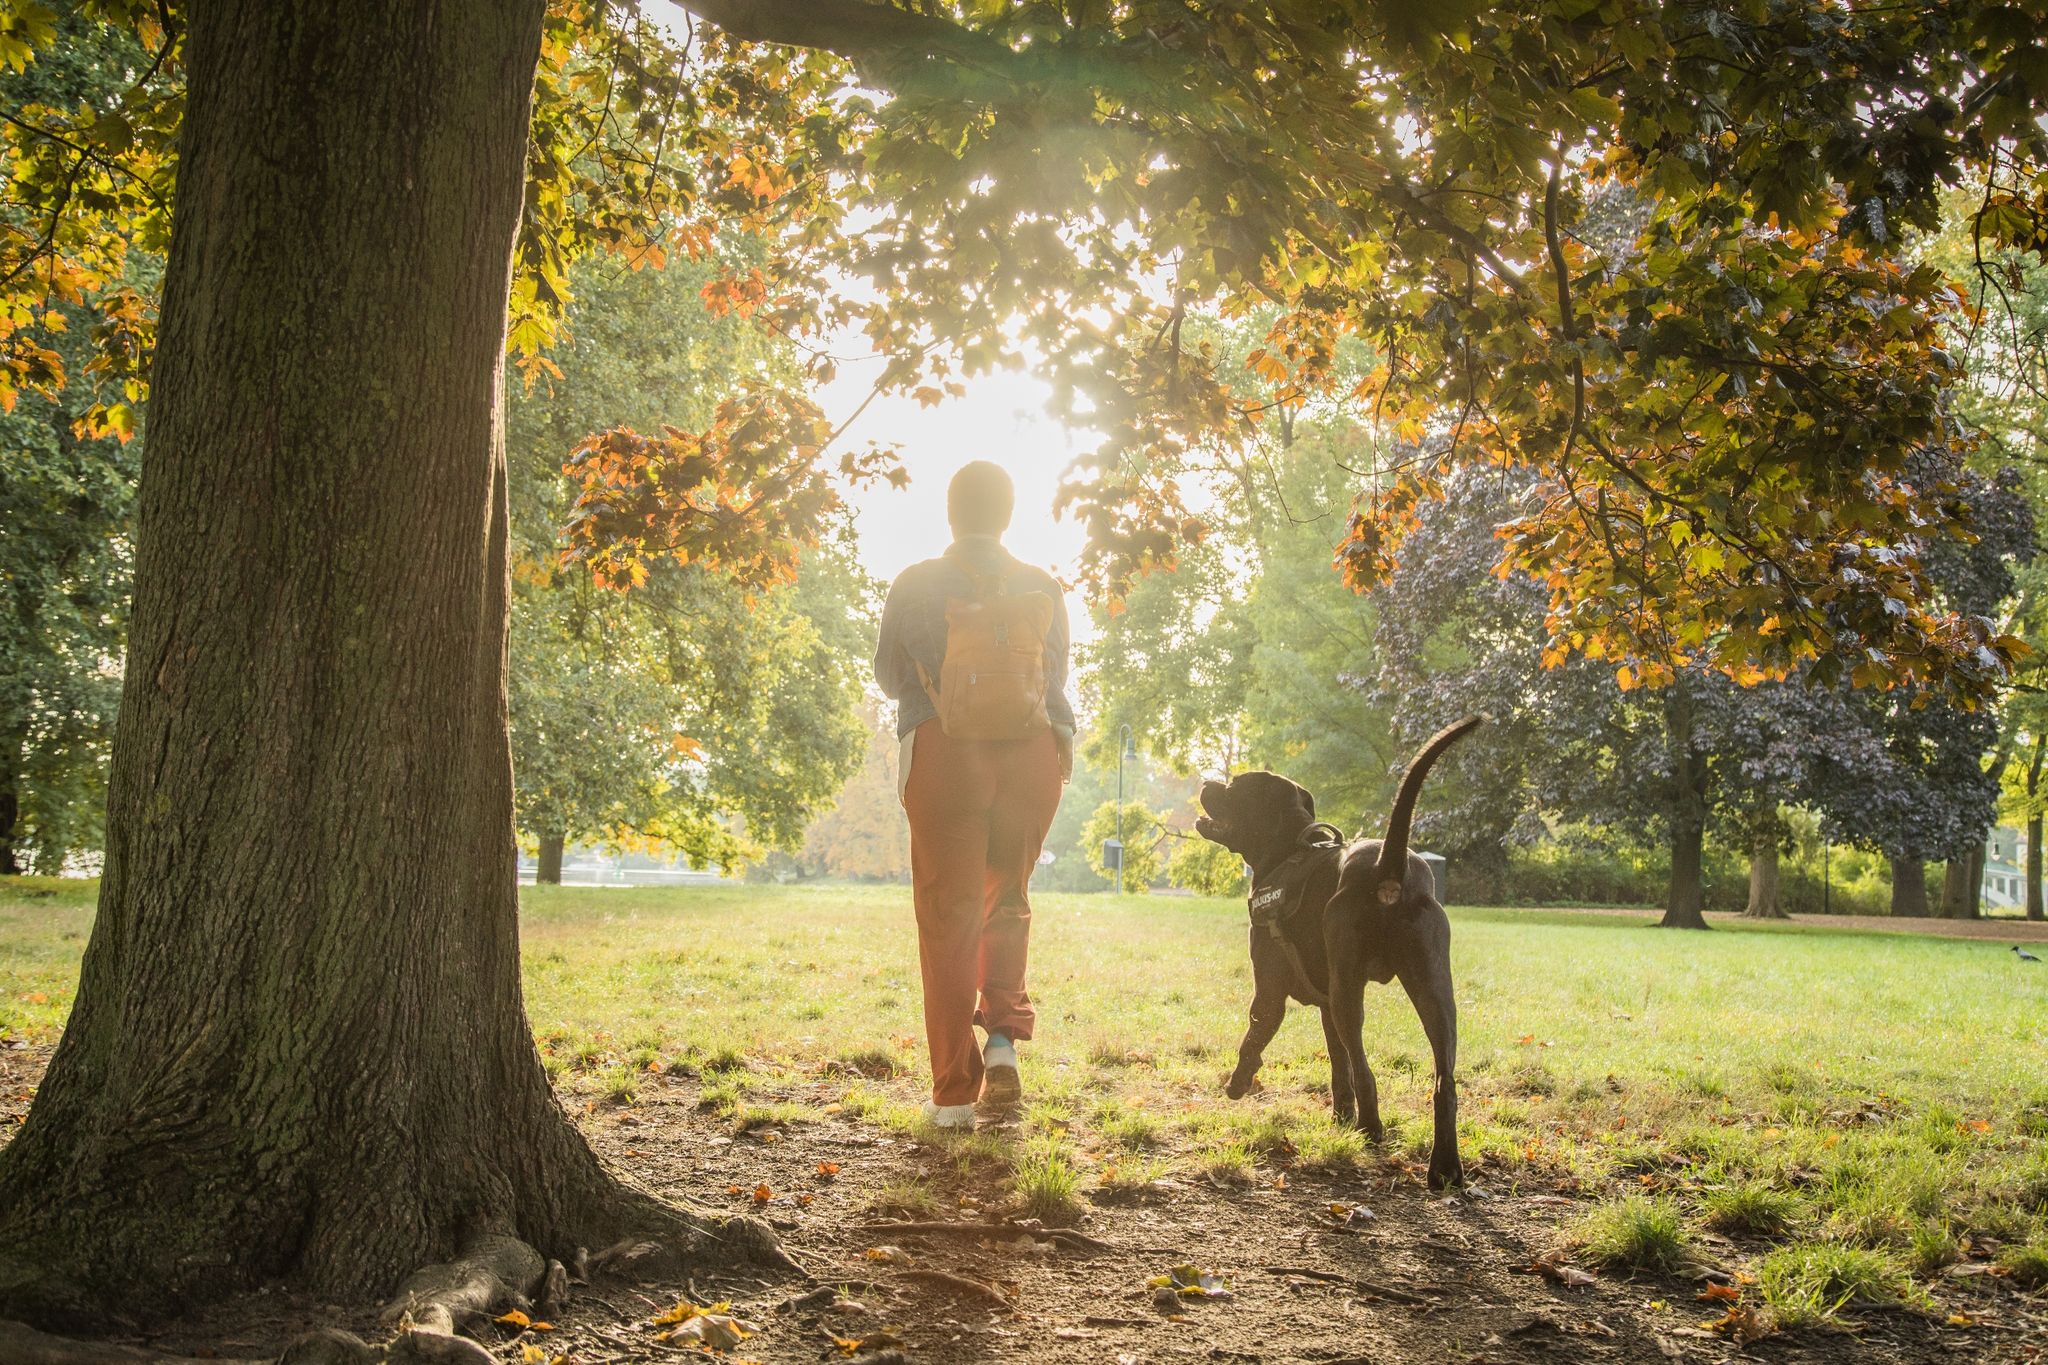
(1259,816)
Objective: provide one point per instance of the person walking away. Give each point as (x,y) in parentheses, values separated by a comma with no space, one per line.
(973,649)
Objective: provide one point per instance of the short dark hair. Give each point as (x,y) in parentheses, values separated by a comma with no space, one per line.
(980,499)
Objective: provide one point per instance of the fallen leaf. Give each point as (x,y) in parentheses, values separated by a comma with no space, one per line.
(1721,1293)
(893,1255)
(763,1193)
(1193,1282)
(719,1331)
(1741,1324)
(874,1341)
(828,1169)
(515,1318)
(1961,1320)
(1570,1276)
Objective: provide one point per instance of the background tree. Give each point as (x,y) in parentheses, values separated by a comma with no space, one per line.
(1251,654)
(1907,774)
(1144,844)
(66,542)
(1204,868)
(864,835)
(689,713)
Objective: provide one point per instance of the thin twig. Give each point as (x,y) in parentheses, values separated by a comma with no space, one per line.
(1372,1287)
(945,1279)
(1003,1231)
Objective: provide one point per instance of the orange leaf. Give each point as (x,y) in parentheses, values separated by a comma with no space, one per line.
(763,1193)
(828,1169)
(1724,1293)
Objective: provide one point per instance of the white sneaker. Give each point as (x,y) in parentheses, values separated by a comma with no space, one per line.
(1001,1086)
(949,1115)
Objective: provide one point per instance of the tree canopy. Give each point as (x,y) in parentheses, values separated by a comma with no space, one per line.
(1653,253)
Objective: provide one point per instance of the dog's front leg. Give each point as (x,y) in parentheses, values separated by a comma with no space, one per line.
(1269,1007)
(1430,989)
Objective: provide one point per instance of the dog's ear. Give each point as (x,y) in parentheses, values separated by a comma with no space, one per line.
(1307,798)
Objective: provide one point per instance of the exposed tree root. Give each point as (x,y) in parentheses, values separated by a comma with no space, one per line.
(495,1274)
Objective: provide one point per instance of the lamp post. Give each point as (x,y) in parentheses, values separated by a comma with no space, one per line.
(1125,748)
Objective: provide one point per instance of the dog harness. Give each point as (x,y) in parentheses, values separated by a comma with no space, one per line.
(1280,894)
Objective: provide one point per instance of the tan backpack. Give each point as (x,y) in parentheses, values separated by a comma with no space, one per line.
(992,681)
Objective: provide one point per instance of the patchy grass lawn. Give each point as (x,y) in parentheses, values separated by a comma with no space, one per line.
(1848,1117)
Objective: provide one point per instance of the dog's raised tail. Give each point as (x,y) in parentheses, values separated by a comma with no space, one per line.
(1393,861)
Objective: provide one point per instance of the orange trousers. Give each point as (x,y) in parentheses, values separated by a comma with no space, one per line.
(978,813)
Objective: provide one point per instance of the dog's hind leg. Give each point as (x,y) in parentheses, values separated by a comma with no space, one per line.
(1347,1021)
(1430,990)
(1269,1007)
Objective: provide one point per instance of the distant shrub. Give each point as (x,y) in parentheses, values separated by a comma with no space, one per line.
(1593,867)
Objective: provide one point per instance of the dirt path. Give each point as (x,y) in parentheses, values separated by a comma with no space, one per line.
(1416,1279)
(1997,930)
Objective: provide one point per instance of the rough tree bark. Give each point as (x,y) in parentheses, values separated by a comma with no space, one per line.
(299,1050)
(548,870)
(1909,886)
(1684,905)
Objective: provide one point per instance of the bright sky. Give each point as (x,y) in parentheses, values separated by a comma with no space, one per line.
(1002,417)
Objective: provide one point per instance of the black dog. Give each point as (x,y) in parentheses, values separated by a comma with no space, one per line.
(1327,918)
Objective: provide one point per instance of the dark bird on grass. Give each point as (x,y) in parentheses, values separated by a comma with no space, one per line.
(2025,956)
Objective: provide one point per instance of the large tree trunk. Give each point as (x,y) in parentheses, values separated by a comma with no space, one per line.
(1763,877)
(299,1049)
(1685,901)
(1909,887)
(1962,886)
(548,868)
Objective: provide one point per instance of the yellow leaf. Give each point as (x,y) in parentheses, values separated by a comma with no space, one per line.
(515,1318)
